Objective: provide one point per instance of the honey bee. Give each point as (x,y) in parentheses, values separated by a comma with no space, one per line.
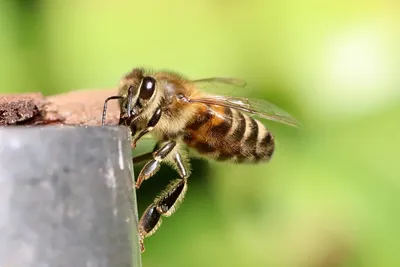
(180,114)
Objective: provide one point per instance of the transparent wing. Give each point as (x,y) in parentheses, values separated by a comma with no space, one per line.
(221,80)
(222,86)
(258,107)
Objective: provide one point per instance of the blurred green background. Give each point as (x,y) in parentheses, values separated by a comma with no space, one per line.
(331,194)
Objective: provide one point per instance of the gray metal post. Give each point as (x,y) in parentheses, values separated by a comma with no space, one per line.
(66,198)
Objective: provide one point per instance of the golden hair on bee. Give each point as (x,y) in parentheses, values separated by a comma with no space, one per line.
(179,113)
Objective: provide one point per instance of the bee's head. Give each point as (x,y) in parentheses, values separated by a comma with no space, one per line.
(139,96)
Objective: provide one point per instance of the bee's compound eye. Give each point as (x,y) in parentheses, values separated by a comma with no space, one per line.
(147,88)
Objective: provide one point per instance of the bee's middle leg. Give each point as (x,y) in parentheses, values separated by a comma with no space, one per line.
(147,156)
(153,165)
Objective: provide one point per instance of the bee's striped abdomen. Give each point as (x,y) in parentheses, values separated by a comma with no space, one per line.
(251,141)
(226,134)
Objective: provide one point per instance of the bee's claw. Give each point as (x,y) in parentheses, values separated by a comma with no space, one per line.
(142,248)
(133,144)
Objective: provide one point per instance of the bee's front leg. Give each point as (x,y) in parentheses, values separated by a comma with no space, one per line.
(150,125)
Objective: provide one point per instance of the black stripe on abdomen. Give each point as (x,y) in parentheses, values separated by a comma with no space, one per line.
(238,133)
(251,140)
(266,146)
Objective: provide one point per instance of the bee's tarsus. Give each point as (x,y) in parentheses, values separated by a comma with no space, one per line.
(148,224)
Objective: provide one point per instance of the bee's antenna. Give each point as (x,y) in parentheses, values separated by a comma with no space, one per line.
(103,118)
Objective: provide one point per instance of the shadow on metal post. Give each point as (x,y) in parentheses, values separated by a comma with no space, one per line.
(66,197)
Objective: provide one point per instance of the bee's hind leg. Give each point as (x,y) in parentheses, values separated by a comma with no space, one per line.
(166,203)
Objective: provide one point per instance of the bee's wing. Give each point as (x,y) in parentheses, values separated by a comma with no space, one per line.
(258,107)
(220,80)
(222,86)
